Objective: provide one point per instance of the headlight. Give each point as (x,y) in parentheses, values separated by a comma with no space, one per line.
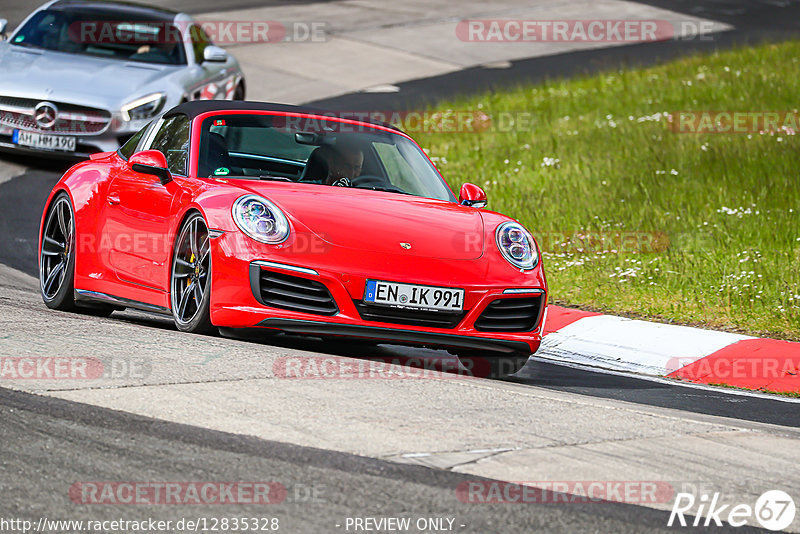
(260,219)
(143,108)
(517,245)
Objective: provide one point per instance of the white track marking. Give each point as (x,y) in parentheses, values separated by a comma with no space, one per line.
(670,381)
(623,344)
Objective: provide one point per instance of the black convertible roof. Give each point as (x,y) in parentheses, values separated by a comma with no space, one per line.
(198,107)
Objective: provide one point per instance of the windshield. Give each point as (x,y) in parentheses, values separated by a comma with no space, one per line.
(315,151)
(103,34)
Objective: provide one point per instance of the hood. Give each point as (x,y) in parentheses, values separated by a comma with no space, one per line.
(380,222)
(76,79)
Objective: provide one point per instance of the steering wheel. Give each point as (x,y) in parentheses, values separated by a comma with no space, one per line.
(367,181)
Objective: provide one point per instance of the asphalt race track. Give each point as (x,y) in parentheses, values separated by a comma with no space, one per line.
(323,487)
(211,408)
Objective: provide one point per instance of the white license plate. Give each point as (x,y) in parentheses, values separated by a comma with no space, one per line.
(47,141)
(414,296)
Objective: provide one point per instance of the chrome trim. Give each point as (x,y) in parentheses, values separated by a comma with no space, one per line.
(294,268)
(45,115)
(149,135)
(504,252)
(477,204)
(213,234)
(11,108)
(523,291)
(72,119)
(274,210)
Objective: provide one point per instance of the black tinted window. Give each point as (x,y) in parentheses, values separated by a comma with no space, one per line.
(172,140)
(129,148)
(95,32)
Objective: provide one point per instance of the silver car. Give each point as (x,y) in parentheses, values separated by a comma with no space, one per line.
(81,76)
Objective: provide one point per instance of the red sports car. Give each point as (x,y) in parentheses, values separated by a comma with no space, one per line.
(242,215)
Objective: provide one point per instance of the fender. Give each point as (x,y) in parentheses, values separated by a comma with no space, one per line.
(85,183)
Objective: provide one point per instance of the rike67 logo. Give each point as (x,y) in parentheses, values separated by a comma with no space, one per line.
(774,510)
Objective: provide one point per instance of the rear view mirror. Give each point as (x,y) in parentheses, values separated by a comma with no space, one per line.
(215,54)
(472,195)
(308,138)
(151,162)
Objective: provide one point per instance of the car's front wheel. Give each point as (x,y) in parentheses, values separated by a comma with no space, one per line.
(57,256)
(190,281)
(57,262)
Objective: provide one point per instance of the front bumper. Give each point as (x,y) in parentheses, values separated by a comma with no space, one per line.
(237,262)
(94,129)
(85,145)
(397,336)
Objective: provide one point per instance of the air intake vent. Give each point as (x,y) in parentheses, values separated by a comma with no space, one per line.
(294,293)
(510,315)
(387,314)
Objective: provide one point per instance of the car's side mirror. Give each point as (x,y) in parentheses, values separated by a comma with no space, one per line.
(472,195)
(215,54)
(3,25)
(151,162)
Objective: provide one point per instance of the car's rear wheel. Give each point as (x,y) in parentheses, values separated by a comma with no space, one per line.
(492,365)
(190,281)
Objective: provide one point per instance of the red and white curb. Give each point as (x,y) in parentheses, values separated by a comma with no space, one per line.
(664,350)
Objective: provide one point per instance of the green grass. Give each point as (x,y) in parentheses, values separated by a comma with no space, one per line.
(620,168)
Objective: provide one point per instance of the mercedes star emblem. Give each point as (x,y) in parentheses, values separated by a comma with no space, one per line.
(45,114)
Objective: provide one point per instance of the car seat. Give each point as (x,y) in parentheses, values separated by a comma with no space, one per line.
(316,169)
(217,157)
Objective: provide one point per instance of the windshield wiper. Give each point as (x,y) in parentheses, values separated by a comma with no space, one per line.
(275,178)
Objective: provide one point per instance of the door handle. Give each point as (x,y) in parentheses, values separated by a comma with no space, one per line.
(113,199)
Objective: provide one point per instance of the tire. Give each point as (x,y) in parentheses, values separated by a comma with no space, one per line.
(238,93)
(492,365)
(57,255)
(190,277)
(57,262)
